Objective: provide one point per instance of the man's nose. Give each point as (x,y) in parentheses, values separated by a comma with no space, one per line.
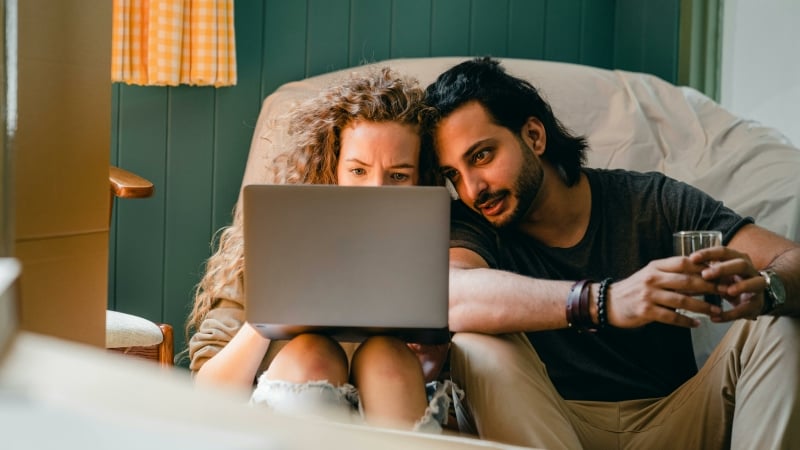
(473,186)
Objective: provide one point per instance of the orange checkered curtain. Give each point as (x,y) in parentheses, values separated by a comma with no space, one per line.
(171,42)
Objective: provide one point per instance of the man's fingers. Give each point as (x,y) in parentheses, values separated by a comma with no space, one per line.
(672,317)
(749,310)
(713,254)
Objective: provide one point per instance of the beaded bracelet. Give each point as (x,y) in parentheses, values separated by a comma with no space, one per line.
(602,296)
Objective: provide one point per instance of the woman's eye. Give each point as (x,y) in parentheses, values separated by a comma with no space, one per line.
(400,177)
(358,171)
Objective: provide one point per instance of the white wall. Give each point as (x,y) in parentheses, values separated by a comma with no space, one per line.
(760,77)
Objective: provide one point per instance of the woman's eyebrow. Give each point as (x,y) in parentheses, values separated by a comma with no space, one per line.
(356,160)
(404,166)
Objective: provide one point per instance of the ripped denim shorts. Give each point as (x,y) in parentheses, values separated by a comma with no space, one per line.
(342,403)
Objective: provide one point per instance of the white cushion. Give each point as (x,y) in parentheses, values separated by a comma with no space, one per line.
(126,330)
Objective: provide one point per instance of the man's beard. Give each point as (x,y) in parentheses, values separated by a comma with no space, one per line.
(525,189)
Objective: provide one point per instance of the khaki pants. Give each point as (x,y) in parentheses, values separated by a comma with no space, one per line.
(744,397)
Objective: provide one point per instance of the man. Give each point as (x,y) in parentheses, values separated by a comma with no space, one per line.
(604,362)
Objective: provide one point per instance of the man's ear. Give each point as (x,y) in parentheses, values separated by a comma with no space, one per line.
(533,133)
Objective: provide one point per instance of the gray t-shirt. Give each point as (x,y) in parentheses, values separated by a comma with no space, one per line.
(632,220)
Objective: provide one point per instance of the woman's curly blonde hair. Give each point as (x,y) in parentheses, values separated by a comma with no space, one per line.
(379,95)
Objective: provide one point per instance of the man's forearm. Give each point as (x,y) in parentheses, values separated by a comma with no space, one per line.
(495,302)
(768,250)
(787,265)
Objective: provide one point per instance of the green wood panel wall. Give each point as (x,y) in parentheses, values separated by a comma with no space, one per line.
(192,142)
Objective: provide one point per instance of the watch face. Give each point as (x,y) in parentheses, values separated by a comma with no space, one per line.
(775,288)
(778,290)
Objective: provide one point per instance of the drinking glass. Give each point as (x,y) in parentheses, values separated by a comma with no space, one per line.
(686,242)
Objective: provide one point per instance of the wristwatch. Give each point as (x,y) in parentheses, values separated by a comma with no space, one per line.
(775,293)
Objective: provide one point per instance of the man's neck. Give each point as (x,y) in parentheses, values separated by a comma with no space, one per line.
(560,215)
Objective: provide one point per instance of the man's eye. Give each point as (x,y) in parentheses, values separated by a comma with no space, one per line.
(358,171)
(480,156)
(450,174)
(400,177)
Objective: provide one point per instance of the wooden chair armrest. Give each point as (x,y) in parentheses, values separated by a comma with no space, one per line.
(126,184)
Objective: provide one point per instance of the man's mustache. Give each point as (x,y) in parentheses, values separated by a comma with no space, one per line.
(486,197)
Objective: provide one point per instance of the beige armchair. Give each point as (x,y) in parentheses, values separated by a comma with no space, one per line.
(632,121)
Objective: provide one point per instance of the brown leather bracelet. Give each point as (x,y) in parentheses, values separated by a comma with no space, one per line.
(578,294)
(585,314)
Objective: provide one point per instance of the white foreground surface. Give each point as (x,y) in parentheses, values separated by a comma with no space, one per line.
(59,395)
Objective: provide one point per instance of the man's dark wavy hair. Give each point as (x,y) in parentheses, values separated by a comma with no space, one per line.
(510,102)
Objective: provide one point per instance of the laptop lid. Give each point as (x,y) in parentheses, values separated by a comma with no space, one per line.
(347,261)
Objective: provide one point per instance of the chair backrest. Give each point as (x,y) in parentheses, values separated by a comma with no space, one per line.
(127,334)
(631,120)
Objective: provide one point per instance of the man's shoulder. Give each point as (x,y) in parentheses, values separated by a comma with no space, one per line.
(630,181)
(626,174)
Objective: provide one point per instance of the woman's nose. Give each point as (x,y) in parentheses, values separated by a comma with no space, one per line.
(377,179)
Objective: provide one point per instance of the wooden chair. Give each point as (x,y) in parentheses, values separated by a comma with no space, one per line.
(126,333)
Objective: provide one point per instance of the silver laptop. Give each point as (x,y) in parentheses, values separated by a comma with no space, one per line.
(348,262)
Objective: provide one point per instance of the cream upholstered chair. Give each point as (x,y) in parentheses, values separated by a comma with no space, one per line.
(126,333)
(632,121)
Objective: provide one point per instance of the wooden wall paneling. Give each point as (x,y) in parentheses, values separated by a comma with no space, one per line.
(562,41)
(661,39)
(411,28)
(188,197)
(646,37)
(370,36)
(236,111)
(526,29)
(140,222)
(629,35)
(450,28)
(112,232)
(328,35)
(597,44)
(284,32)
(700,45)
(489,28)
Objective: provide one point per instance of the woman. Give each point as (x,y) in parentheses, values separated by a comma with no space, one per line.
(365,131)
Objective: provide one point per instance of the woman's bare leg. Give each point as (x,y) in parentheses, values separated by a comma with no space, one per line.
(308,376)
(310,357)
(390,380)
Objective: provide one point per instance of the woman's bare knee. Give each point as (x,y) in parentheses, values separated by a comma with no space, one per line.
(389,377)
(310,357)
(385,357)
